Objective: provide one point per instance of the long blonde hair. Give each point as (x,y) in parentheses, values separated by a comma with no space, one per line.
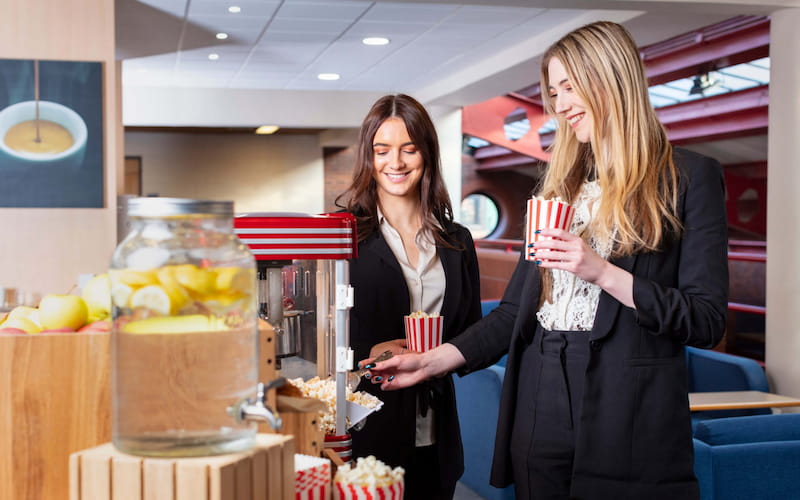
(628,152)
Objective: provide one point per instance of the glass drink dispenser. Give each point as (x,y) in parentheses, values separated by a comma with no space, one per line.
(304,292)
(184,337)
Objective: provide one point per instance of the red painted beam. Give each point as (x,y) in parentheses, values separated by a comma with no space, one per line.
(485,120)
(735,114)
(744,39)
(732,102)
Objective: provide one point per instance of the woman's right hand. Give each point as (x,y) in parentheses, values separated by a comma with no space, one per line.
(406,370)
(398,346)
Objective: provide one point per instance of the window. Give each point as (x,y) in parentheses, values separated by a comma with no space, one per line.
(479,213)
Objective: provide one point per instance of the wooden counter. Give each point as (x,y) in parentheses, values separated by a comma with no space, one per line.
(55,399)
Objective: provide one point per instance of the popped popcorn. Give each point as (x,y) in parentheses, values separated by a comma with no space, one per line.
(422,314)
(325,391)
(369,472)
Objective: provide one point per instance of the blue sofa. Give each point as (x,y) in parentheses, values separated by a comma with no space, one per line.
(478,401)
(748,458)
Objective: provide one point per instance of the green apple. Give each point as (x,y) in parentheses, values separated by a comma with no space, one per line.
(60,311)
(97,295)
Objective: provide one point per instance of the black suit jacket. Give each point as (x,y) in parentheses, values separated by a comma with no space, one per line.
(381,300)
(635,432)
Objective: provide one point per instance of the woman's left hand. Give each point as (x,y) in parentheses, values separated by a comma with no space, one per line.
(568,252)
(559,249)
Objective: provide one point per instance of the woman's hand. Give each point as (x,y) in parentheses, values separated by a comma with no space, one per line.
(406,370)
(569,252)
(398,346)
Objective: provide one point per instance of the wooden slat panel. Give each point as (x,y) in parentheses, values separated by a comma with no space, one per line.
(126,477)
(287,464)
(74,477)
(222,481)
(159,479)
(95,477)
(191,480)
(258,476)
(244,479)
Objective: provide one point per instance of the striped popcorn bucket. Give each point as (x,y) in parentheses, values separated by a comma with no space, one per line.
(345,491)
(312,478)
(423,334)
(546,214)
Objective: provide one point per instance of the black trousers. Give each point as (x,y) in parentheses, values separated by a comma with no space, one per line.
(548,410)
(422,479)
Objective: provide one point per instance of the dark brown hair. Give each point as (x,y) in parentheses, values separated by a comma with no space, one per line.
(361,198)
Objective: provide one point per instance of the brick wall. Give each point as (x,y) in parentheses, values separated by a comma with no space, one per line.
(338,164)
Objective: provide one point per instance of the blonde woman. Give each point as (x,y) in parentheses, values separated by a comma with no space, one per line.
(595,398)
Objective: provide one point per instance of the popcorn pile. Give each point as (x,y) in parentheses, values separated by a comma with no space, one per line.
(325,391)
(369,472)
(422,314)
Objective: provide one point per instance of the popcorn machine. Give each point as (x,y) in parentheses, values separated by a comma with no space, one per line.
(304,292)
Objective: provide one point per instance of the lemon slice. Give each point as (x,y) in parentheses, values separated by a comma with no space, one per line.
(121,294)
(177,294)
(235,280)
(134,278)
(152,297)
(200,281)
(192,323)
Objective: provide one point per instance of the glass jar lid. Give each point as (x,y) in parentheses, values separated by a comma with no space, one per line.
(166,207)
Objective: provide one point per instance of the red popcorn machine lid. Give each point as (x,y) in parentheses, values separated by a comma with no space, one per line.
(289,236)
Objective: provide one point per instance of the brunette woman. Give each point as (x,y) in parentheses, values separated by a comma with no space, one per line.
(411,257)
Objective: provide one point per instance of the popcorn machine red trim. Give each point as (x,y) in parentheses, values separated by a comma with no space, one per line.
(288,248)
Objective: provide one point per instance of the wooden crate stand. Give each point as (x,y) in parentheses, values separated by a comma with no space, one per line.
(265,472)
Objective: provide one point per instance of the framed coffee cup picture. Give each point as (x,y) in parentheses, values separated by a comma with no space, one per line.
(51,134)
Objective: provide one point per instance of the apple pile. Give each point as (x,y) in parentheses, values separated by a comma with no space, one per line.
(64,313)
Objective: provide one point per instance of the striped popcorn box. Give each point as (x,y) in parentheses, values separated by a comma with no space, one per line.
(312,478)
(368,479)
(545,214)
(348,491)
(423,332)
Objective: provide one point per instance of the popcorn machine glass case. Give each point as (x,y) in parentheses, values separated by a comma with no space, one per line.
(304,292)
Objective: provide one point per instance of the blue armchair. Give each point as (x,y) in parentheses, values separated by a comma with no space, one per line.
(711,371)
(747,458)
(478,402)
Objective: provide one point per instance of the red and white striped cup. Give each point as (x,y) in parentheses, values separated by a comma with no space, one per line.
(424,333)
(545,214)
(346,491)
(312,478)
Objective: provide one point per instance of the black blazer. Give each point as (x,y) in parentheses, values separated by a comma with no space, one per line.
(381,300)
(635,433)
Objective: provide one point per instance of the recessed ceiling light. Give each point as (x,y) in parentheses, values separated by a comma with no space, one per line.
(234,9)
(213,57)
(267,129)
(222,36)
(375,40)
(328,76)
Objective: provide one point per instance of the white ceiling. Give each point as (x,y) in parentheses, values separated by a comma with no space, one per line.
(445,53)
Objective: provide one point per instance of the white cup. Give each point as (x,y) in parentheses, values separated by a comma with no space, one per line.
(51,111)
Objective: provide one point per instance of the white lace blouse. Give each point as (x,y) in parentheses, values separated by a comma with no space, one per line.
(575,301)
